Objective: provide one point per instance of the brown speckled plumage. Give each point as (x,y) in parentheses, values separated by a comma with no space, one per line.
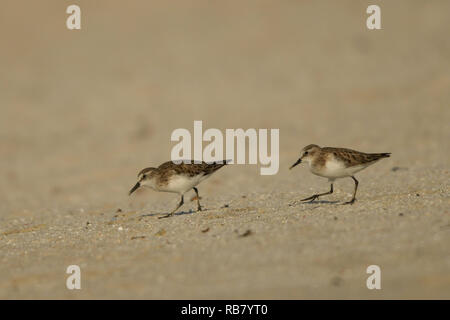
(352,157)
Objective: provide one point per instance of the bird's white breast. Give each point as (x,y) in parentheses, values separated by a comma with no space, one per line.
(335,168)
(180,183)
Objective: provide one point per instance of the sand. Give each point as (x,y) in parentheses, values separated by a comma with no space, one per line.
(83,111)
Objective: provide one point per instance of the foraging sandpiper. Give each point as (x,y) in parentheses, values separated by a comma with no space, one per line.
(335,163)
(176,178)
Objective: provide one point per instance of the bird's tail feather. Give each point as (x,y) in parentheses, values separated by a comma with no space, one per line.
(377,156)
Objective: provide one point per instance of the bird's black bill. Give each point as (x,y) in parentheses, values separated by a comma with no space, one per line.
(298,162)
(137,185)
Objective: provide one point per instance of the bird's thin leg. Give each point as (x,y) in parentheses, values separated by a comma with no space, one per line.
(199,207)
(179,205)
(354,192)
(315,196)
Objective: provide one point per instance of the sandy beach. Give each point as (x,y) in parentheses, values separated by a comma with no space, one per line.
(82,111)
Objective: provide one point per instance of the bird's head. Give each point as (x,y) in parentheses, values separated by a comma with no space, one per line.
(145,179)
(307,154)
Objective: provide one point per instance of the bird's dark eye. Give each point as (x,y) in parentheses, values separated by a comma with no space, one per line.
(144,176)
(306,152)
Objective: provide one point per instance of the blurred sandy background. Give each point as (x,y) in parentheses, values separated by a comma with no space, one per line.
(83,111)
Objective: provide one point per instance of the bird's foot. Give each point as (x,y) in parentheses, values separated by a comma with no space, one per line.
(312,198)
(350,202)
(166,216)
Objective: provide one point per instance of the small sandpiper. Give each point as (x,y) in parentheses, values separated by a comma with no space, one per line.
(335,163)
(176,178)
